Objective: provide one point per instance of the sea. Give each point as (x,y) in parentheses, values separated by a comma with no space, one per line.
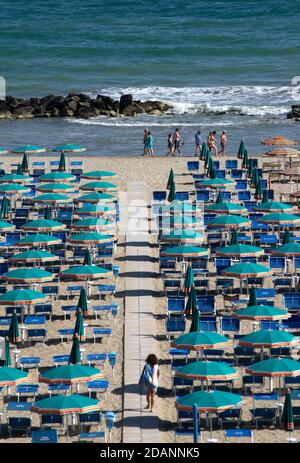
(222,65)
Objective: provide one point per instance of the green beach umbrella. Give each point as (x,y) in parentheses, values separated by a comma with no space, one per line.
(216,183)
(273,206)
(183,236)
(230,208)
(75,357)
(287,417)
(6,226)
(15,178)
(12,376)
(55,187)
(43,225)
(7,358)
(252,297)
(19,169)
(66,404)
(188,280)
(250,168)
(13,188)
(52,198)
(245,160)
(13,331)
(275,367)
(22,297)
(211,172)
(209,401)
(38,239)
(219,199)
(286,237)
(57,177)
(48,214)
(195,325)
(29,149)
(95,197)
(280,218)
(207,159)
(87,258)
(178,207)
(172,192)
(62,162)
(90,238)
(265,198)
(241,150)
(95,209)
(258,191)
(27,275)
(79,332)
(5,206)
(287,250)
(170,179)
(99,174)
(25,163)
(268,338)
(70,148)
(82,302)
(32,256)
(203,152)
(233,237)
(246,269)
(185,251)
(207,371)
(229,221)
(200,340)
(239,250)
(70,374)
(98,186)
(85,272)
(254,178)
(262,312)
(191,305)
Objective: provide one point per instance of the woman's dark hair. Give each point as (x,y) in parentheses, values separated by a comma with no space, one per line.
(152,360)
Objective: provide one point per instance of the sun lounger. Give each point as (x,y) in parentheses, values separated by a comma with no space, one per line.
(66,333)
(193,166)
(35,320)
(238,433)
(206,305)
(175,325)
(175,305)
(26,362)
(91,436)
(60,359)
(95,359)
(52,420)
(100,332)
(101,385)
(27,390)
(57,388)
(89,419)
(208,324)
(291,302)
(230,325)
(265,414)
(48,436)
(68,310)
(19,424)
(231,164)
(252,381)
(179,353)
(37,334)
(232,416)
(213,354)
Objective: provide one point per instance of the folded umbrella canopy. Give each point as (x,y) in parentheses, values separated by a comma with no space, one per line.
(233,237)
(188,280)
(204,150)
(245,160)
(78,331)
(87,258)
(57,177)
(27,275)
(241,150)
(13,331)
(5,206)
(7,357)
(258,190)
(287,417)
(62,162)
(99,174)
(82,302)
(38,239)
(75,356)
(170,179)
(99,186)
(172,192)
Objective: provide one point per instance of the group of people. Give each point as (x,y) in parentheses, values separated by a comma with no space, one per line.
(175,140)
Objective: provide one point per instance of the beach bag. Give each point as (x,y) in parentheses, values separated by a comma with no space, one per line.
(141,380)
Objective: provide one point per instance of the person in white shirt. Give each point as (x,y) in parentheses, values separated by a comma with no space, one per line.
(150,377)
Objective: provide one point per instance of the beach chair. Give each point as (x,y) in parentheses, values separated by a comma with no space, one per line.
(66,333)
(239,433)
(179,354)
(199,267)
(202,195)
(95,359)
(221,263)
(237,174)
(73,290)
(185,416)
(277,264)
(27,390)
(52,420)
(249,259)
(291,382)
(201,285)
(60,359)
(291,302)
(35,320)
(206,305)
(159,196)
(37,335)
(101,385)
(182,196)
(283,283)
(175,305)
(58,388)
(231,416)
(19,424)
(243,354)
(208,324)
(220,173)
(27,362)
(89,419)
(48,436)
(106,290)
(51,291)
(44,309)
(281,352)
(100,332)
(175,325)
(172,287)
(291,324)
(297,265)
(265,414)
(250,381)
(230,325)
(91,436)
(193,166)
(213,354)
(231,164)
(68,310)
(242,185)
(265,294)
(185,432)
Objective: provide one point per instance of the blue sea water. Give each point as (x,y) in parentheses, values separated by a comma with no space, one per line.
(221,64)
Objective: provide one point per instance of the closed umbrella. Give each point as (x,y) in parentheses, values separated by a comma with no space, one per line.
(75,356)
(245,160)
(191,306)
(258,190)
(233,238)
(286,237)
(25,163)
(48,213)
(265,197)
(252,297)
(7,357)
(13,331)
(78,332)
(82,302)
(203,152)
(188,280)
(250,168)
(87,258)
(287,417)
(5,206)
(207,159)
(19,169)
(254,178)
(62,162)
(170,179)
(172,192)
(241,150)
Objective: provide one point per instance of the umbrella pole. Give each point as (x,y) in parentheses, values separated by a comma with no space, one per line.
(68,440)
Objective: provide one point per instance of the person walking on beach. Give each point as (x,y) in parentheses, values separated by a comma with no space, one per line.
(198,143)
(149,379)
(177,140)
(144,141)
(212,142)
(223,139)
(170,145)
(149,144)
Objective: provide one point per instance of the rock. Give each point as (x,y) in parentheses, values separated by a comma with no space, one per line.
(66,112)
(85,113)
(155,112)
(105,102)
(5,115)
(113,114)
(23,110)
(295,113)
(125,102)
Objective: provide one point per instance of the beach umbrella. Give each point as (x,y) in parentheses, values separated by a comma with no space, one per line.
(25,163)
(55,187)
(287,250)
(178,207)
(286,237)
(245,160)
(241,150)
(279,140)
(258,191)
(70,148)
(170,179)
(191,305)
(32,256)
(280,218)
(183,236)
(188,280)
(265,198)
(48,214)
(75,356)
(254,178)
(38,239)
(13,331)
(207,371)
(62,162)
(185,251)
(82,302)
(99,174)
(250,168)
(284,153)
(233,237)
(252,297)
(90,238)
(19,169)
(219,199)
(229,221)
(195,325)
(29,149)
(261,312)
(13,188)
(22,297)
(216,183)
(268,338)
(43,225)
(5,205)
(15,178)
(272,206)
(199,340)
(85,272)
(3,151)
(95,209)
(95,197)
(172,192)
(229,208)
(287,417)
(246,269)
(5,226)
(275,367)
(70,374)
(87,258)
(98,186)
(27,275)
(57,177)
(181,222)
(12,376)
(207,159)
(203,152)
(52,198)
(211,171)
(7,357)
(79,332)
(239,250)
